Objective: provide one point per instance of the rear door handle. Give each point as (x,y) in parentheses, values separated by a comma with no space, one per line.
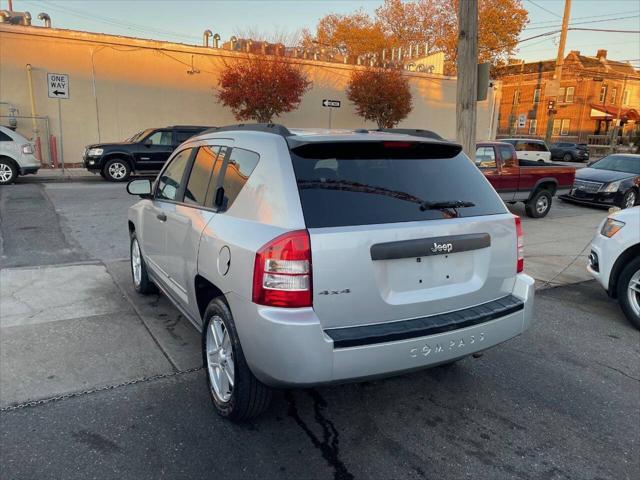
(162,217)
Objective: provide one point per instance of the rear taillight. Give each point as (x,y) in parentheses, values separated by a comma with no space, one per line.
(27,149)
(282,272)
(520,245)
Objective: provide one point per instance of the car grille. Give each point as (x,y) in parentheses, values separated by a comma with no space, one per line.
(587,187)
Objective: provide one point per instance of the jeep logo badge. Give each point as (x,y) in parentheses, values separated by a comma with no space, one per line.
(442,247)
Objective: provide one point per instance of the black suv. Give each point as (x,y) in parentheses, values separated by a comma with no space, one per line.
(144,152)
(570,152)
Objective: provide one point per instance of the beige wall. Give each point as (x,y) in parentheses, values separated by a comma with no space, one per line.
(143,83)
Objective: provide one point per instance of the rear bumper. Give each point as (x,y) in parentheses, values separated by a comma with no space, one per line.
(290,348)
(29,170)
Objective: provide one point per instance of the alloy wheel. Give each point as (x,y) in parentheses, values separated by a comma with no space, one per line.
(630,199)
(542,205)
(633,293)
(5,172)
(220,360)
(117,170)
(136,262)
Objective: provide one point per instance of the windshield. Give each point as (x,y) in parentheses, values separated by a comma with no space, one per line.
(619,163)
(339,187)
(139,136)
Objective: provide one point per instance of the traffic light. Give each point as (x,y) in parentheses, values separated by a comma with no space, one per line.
(551,105)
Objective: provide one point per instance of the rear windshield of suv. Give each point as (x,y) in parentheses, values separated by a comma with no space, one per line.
(366,183)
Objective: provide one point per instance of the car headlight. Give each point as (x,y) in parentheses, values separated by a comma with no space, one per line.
(611,227)
(93,152)
(611,187)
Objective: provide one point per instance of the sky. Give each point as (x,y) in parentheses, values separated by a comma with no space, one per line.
(185,20)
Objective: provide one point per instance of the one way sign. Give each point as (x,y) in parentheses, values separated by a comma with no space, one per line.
(331,103)
(58,85)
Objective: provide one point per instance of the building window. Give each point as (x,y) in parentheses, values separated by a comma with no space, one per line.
(569,97)
(561,94)
(556,127)
(614,94)
(536,95)
(564,129)
(625,97)
(516,97)
(603,93)
(533,124)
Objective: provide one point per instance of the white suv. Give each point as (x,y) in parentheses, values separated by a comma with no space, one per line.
(615,260)
(309,257)
(530,149)
(16,156)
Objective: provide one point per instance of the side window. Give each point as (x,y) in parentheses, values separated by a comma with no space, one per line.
(161,137)
(183,135)
(240,166)
(507,156)
(170,181)
(200,176)
(485,157)
(521,146)
(5,138)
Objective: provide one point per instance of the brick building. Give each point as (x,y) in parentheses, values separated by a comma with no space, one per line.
(592,93)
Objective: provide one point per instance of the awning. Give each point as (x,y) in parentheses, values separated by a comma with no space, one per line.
(611,111)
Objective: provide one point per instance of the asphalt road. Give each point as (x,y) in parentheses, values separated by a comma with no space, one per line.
(559,402)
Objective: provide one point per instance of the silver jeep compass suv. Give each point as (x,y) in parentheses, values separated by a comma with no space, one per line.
(310,257)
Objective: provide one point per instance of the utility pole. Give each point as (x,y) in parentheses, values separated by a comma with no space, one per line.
(616,128)
(10,5)
(467,84)
(557,75)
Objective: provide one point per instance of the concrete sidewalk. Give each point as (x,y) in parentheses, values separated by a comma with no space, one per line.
(59,175)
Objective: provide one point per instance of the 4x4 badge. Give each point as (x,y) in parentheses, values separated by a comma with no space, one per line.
(334,292)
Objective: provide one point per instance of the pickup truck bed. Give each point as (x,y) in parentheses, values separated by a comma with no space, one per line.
(533,183)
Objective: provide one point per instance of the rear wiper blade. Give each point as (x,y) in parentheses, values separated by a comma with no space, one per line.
(446,204)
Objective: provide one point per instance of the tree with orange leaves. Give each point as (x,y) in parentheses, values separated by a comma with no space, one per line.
(261,88)
(382,96)
(400,23)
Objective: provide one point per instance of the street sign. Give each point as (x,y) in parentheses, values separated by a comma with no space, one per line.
(522,120)
(331,103)
(58,85)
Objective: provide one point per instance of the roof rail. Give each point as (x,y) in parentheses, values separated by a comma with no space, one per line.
(274,128)
(416,132)
(189,126)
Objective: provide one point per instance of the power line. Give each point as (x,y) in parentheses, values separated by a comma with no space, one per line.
(584,23)
(604,30)
(544,8)
(590,16)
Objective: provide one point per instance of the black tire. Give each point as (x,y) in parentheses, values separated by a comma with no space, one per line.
(144,286)
(629,199)
(567,157)
(116,170)
(539,204)
(623,291)
(249,397)
(8,171)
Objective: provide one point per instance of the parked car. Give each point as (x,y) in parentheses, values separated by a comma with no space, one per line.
(16,156)
(570,152)
(530,149)
(145,152)
(615,260)
(522,180)
(313,257)
(613,180)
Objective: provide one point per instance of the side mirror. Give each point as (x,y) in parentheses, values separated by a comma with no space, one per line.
(219,200)
(140,187)
(148,142)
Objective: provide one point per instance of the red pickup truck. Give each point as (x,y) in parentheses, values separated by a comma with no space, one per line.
(525,181)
